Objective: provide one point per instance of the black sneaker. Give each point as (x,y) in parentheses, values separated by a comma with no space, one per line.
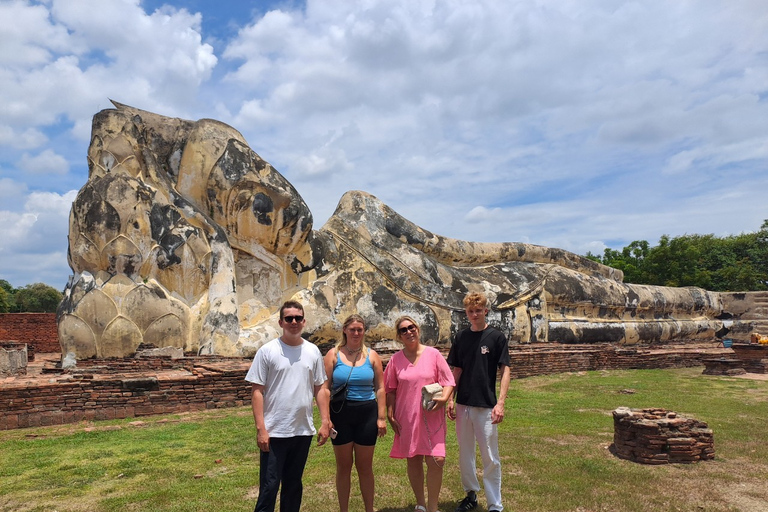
(468,503)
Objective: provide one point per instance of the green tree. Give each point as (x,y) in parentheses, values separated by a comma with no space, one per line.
(7,303)
(37,298)
(732,263)
(630,260)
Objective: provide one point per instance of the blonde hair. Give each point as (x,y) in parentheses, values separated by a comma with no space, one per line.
(350,320)
(401,320)
(476,299)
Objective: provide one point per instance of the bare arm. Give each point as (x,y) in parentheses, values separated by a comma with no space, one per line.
(447,395)
(497,414)
(381,396)
(323,399)
(391,399)
(257,404)
(329,361)
(451,405)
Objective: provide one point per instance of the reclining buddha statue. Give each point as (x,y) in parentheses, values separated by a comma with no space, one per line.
(184,237)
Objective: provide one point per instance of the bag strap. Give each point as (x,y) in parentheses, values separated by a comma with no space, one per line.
(338,356)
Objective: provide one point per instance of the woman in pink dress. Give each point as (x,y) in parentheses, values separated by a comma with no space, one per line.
(419,434)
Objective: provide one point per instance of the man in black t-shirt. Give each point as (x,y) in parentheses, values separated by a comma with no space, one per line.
(475,357)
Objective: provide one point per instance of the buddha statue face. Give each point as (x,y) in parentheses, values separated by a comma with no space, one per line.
(260,211)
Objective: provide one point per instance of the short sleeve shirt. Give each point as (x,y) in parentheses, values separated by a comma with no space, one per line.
(289,375)
(479,354)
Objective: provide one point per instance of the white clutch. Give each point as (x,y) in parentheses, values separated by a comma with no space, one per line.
(428,395)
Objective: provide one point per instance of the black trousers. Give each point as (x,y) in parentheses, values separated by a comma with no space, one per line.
(282,467)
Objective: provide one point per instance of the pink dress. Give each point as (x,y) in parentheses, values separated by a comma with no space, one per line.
(406,380)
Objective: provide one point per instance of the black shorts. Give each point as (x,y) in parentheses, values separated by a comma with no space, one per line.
(356,422)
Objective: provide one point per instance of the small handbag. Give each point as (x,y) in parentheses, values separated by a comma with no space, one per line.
(339,394)
(429,394)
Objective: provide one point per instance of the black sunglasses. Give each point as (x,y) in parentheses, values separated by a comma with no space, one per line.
(290,319)
(407,328)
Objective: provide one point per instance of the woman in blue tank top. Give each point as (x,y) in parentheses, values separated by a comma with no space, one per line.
(360,417)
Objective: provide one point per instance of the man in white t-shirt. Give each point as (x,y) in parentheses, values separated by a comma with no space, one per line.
(286,374)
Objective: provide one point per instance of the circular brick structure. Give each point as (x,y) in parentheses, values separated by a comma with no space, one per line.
(658,436)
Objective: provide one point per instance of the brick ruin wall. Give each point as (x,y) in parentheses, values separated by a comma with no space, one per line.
(37,330)
(548,360)
(128,388)
(190,385)
(658,436)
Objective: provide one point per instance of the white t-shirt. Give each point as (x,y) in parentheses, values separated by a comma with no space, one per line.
(289,375)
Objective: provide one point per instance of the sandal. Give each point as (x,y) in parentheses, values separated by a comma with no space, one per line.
(420,508)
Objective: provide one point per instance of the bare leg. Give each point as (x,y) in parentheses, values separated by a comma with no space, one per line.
(416,477)
(434,481)
(364,465)
(343,469)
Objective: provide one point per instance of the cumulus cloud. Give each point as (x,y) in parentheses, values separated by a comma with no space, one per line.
(46,162)
(27,139)
(35,239)
(577,125)
(571,93)
(482,214)
(89,51)
(45,215)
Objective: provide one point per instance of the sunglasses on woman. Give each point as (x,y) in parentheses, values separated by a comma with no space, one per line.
(407,328)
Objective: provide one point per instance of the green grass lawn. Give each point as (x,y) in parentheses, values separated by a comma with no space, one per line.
(554,443)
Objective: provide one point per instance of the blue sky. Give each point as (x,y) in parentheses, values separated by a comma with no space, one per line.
(573,124)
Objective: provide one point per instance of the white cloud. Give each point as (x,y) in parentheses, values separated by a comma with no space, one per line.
(88,51)
(27,36)
(481,214)
(28,139)
(35,239)
(46,162)
(12,194)
(574,124)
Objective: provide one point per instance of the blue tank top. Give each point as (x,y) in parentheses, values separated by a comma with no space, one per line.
(360,382)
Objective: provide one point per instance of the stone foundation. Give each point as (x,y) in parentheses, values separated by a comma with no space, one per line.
(658,436)
(13,359)
(753,356)
(723,366)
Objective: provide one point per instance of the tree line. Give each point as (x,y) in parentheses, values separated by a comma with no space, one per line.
(734,263)
(32,298)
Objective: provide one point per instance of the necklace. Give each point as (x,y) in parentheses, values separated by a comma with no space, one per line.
(353,352)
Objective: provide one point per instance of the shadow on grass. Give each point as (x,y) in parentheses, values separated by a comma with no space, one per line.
(444,506)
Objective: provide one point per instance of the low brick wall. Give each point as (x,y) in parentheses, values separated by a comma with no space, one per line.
(133,387)
(753,356)
(89,396)
(546,359)
(38,330)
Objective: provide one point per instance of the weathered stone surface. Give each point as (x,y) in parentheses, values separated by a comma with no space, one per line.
(184,237)
(658,436)
(13,359)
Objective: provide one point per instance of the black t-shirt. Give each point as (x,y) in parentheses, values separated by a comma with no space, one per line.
(479,355)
